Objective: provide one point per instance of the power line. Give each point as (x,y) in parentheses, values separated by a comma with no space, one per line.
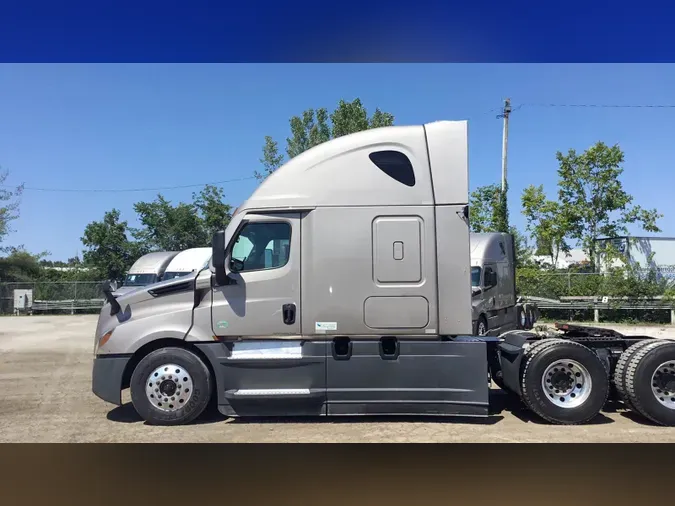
(124,190)
(164,188)
(605,106)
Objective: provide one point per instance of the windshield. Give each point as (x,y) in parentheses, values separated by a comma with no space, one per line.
(174,275)
(140,279)
(475,276)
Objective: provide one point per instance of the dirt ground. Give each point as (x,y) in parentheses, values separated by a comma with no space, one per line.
(45,396)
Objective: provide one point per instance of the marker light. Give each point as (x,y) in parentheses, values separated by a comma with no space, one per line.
(105,337)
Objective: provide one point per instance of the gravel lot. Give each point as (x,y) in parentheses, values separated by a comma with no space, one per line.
(45,392)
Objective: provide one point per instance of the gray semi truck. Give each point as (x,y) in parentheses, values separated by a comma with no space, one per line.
(495,307)
(341,287)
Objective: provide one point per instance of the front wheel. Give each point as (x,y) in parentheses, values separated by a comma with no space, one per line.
(564,382)
(170,386)
(481,327)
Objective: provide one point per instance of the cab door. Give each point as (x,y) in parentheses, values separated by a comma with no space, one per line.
(263,296)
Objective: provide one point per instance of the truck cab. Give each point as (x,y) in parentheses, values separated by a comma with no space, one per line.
(493,296)
(145,271)
(186,262)
(341,287)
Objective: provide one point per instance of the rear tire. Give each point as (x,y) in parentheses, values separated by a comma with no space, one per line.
(533,317)
(530,318)
(170,386)
(522,318)
(564,382)
(619,377)
(650,382)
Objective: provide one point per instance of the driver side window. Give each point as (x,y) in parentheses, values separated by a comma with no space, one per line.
(260,246)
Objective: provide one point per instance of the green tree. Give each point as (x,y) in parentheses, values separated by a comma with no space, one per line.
(168,227)
(9,205)
(484,206)
(549,222)
(215,213)
(486,214)
(592,194)
(20,265)
(314,127)
(523,250)
(108,250)
(271,159)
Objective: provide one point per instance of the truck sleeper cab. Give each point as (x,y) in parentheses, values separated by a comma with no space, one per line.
(269,329)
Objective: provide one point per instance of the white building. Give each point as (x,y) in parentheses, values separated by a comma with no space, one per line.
(646,253)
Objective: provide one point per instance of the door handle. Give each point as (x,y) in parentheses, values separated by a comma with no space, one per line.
(288,313)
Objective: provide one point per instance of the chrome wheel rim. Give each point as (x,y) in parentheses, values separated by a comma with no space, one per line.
(567,383)
(168,387)
(663,384)
(481,329)
(523,319)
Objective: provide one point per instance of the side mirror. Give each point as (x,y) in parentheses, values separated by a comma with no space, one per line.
(218,254)
(236,265)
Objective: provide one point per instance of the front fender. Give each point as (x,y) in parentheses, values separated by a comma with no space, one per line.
(164,317)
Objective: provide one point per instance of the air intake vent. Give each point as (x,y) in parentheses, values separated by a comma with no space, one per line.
(166,290)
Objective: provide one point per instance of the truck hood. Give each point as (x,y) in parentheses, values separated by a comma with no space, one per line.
(142,293)
(140,301)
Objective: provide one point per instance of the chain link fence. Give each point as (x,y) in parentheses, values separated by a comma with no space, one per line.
(77,297)
(537,283)
(37,297)
(645,297)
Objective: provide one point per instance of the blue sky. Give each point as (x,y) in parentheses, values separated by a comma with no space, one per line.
(129,126)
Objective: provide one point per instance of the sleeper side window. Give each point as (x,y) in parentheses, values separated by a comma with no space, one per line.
(394,164)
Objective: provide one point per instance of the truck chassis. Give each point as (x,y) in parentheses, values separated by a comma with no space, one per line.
(564,378)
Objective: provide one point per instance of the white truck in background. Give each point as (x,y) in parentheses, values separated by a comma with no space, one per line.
(187,261)
(494,304)
(147,270)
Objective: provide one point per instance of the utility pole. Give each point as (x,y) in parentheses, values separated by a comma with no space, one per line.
(503,211)
(505,141)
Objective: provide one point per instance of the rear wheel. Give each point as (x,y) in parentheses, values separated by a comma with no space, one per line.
(619,377)
(564,382)
(650,382)
(522,318)
(530,318)
(533,316)
(170,386)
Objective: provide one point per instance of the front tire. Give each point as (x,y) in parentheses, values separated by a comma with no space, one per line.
(170,386)
(481,326)
(564,382)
